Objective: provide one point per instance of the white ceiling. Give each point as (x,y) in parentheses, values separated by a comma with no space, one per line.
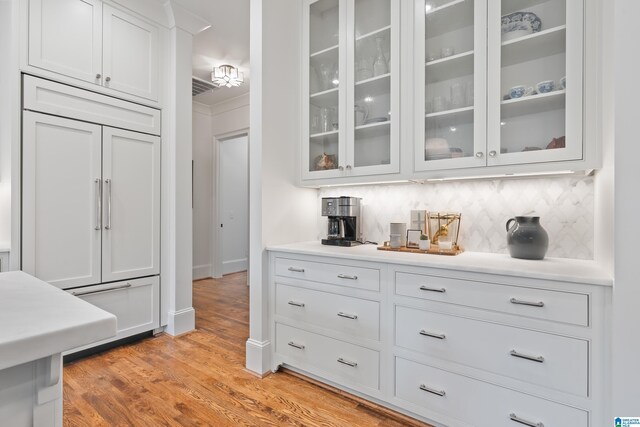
(226,42)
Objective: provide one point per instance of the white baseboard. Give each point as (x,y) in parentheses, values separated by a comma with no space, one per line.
(258,356)
(234,265)
(180,322)
(202,271)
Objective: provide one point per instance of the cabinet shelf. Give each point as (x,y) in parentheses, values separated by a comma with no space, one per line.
(517,5)
(323,51)
(450,67)
(374,32)
(374,87)
(456,111)
(373,125)
(323,134)
(323,93)
(327,98)
(537,45)
(533,104)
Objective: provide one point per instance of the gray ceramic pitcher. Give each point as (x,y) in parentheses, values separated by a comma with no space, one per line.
(526,238)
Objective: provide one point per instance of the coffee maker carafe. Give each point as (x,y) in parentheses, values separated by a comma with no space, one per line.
(343,225)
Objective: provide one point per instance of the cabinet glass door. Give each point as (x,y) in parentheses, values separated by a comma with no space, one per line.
(451,118)
(535,84)
(373,40)
(324,65)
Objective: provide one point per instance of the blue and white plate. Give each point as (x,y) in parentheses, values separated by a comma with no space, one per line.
(521,21)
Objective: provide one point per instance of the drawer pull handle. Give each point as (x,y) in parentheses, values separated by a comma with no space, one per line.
(294,345)
(538,359)
(296,304)
(532,304)
(440,393)
(440,290)
(79,293)
(296,270)
(346,362)
(348,316)
(344,276)
(517,419)
(432,335)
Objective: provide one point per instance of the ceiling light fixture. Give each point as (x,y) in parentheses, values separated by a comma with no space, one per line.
(227,75)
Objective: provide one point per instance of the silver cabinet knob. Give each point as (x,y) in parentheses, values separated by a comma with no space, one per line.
(348,166)
(107,79)
(340,168)
(98,76)
(492,153)
(479,154)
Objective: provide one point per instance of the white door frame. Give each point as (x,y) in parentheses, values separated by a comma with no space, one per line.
(215,242)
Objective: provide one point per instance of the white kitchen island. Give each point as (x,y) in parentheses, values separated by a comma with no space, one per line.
(40,322)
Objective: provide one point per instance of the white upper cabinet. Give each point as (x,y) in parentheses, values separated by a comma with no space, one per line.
(96,43)
(130,57)
(450,70)
(536,81)
(350,88)
(65,36)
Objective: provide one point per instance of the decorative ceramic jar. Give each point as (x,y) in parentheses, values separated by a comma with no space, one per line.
(526,238)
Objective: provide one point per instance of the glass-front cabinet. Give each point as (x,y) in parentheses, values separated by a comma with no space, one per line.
(351,89)
(450,71)
(535,81)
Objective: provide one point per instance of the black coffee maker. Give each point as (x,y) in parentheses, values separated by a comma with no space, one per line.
(343,228)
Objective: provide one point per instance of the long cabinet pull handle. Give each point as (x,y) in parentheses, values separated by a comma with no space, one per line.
(514,417)
(432,390)
(538,359)
(107,182)
(297,304)
(80,293)
(296,270)
(98,204)
(428,289)
(345,276)
(347,362)
(348,316)
(532,304)
(432,335)
(294,345)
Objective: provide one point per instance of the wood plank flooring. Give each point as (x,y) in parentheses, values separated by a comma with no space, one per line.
(198,379)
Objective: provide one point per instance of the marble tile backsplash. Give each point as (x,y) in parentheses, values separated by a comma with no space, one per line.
(565,206)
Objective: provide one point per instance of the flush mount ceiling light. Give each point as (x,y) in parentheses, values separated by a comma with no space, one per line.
(227,75)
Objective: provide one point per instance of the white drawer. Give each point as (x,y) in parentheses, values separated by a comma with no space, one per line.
(500,349)
(339,361)
(478,403)
(556,306)
(335,274)
(54,98)
(135,303)
(354,316)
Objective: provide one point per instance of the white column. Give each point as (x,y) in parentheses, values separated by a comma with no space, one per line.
(177,230)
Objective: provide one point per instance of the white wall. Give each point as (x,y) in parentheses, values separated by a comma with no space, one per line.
(202,191)
(280,211)
(6,71)
(234,203)
(626,295)
(230,116)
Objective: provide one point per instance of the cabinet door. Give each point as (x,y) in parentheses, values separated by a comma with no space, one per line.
(535,84)
(131,189)
(451,72)
(65,36)
(61,200)
(130,55)
(323,68)
(373,99)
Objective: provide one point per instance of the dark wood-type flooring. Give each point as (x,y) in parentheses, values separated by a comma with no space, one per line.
(198,379)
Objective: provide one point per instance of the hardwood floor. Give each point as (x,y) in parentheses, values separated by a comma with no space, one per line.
(198,379)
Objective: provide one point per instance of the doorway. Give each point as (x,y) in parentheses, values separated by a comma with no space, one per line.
(233,204)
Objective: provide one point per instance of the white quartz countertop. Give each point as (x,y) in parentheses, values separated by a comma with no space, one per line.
(559,269)
(39,320)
